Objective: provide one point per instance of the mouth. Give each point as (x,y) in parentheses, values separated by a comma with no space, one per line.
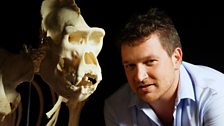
(145,87)
(87,82)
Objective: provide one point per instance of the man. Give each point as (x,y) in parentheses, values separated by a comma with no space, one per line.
(162,89)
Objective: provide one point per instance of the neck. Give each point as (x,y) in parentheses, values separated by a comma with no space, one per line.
(164,107)
(164,110)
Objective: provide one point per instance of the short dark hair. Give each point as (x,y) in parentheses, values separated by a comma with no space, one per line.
(155,21)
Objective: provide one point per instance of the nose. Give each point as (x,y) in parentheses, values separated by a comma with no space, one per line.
(141,73)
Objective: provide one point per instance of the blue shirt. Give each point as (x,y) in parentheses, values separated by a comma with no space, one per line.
(199,102)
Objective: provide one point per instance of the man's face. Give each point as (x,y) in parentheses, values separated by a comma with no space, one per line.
(151,72)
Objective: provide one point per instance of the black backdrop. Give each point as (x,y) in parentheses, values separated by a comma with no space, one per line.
(200,26)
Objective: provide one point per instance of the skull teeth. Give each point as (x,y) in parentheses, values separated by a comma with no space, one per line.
(71,78)
(91,78)
(87,90)
(85,81)
(86,84)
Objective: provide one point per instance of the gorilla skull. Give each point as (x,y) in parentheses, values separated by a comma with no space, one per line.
(70,66)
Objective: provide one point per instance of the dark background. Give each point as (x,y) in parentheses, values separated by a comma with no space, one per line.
(200,25)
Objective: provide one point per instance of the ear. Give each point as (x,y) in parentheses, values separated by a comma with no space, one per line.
(177,57)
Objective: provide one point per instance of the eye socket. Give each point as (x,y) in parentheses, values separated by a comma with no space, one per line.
(96,36)
(77,37)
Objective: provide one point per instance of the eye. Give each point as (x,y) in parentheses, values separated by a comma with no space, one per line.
(129,66)
(150,62)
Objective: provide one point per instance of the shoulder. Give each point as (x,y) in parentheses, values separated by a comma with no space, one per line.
(204,76)
(121,95)
(207,87)
(117,107)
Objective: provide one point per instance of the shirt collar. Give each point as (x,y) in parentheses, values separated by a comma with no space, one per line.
(185,88)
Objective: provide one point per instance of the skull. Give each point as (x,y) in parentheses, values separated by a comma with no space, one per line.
(70,66)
